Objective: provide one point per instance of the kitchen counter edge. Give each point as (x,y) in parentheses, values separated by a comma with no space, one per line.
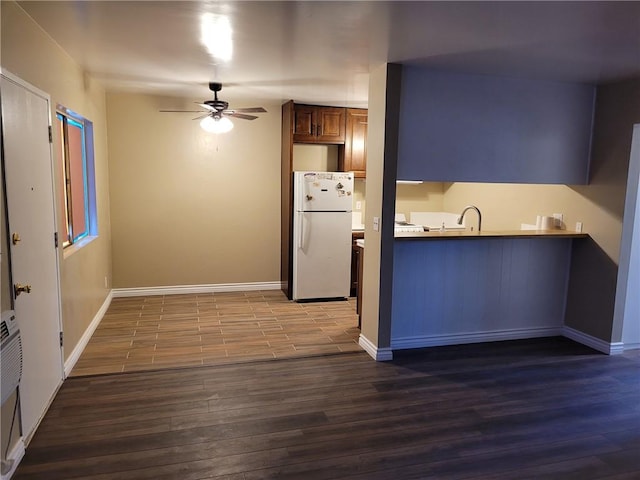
(453,235)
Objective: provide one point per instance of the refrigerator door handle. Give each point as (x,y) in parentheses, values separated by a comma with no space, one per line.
(301,229)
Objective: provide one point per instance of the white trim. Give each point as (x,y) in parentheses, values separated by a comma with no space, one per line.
(631,346)
(476,337)
(86,336)
(603,346)
(29,86)
(378,354)
(185,289)
(14,457)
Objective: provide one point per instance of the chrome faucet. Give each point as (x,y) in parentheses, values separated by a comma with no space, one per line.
(471,207)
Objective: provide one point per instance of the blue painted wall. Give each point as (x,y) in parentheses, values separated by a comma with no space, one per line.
(479,128)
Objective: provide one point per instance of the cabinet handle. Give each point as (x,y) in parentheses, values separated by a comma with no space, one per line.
(319,130)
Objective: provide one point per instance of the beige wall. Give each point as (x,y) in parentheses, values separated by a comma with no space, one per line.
(375,177)
(323,158)
(423,197)
(31,55)
(382,146)
(359,195)
(505,206)
(190,207)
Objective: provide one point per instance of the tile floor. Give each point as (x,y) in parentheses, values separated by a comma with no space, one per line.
(156,332)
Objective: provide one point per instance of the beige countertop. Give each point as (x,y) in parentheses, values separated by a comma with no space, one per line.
(452,235)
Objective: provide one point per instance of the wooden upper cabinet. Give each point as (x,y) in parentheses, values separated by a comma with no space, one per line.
(355,145)
(317,124)
(304,123)
(330,126)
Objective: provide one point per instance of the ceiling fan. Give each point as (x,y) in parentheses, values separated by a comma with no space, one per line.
(215,113)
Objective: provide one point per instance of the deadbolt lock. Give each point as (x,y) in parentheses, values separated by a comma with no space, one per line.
(15,238)
(18,288)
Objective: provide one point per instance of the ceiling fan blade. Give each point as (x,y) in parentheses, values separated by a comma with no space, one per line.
(181,111)
(239,115)
(207,107)
(201,116)
(250,110)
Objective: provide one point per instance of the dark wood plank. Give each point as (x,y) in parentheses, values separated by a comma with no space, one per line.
(546,408)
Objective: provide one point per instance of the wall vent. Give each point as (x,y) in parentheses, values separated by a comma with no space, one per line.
(10,355)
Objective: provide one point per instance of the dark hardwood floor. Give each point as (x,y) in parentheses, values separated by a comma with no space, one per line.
(534,409)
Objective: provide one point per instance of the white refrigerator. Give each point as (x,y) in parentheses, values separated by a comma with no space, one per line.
(322,203)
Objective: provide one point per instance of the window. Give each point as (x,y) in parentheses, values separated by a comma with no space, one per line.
(77,180)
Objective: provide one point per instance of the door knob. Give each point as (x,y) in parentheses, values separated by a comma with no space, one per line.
(18,288)
(15,238)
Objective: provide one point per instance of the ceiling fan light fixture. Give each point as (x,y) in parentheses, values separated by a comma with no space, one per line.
(217,124)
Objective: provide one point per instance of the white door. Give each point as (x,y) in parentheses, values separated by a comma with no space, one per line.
(28,172)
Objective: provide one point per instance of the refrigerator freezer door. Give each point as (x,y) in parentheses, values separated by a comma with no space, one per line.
(323,191)
(321,255)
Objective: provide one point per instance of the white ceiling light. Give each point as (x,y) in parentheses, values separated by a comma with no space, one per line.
(215,34)
(217,124)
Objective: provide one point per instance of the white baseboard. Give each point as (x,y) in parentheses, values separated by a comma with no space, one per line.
(603,346)
(476,337)
(14,458)
(86,336)
(378,354)
(631,346)
(186,289)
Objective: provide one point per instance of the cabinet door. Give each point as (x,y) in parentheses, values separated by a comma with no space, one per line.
(330,125)
(355,145)
(315,124)
(304,121)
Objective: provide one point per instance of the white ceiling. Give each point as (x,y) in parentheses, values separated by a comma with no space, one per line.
(320,52)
